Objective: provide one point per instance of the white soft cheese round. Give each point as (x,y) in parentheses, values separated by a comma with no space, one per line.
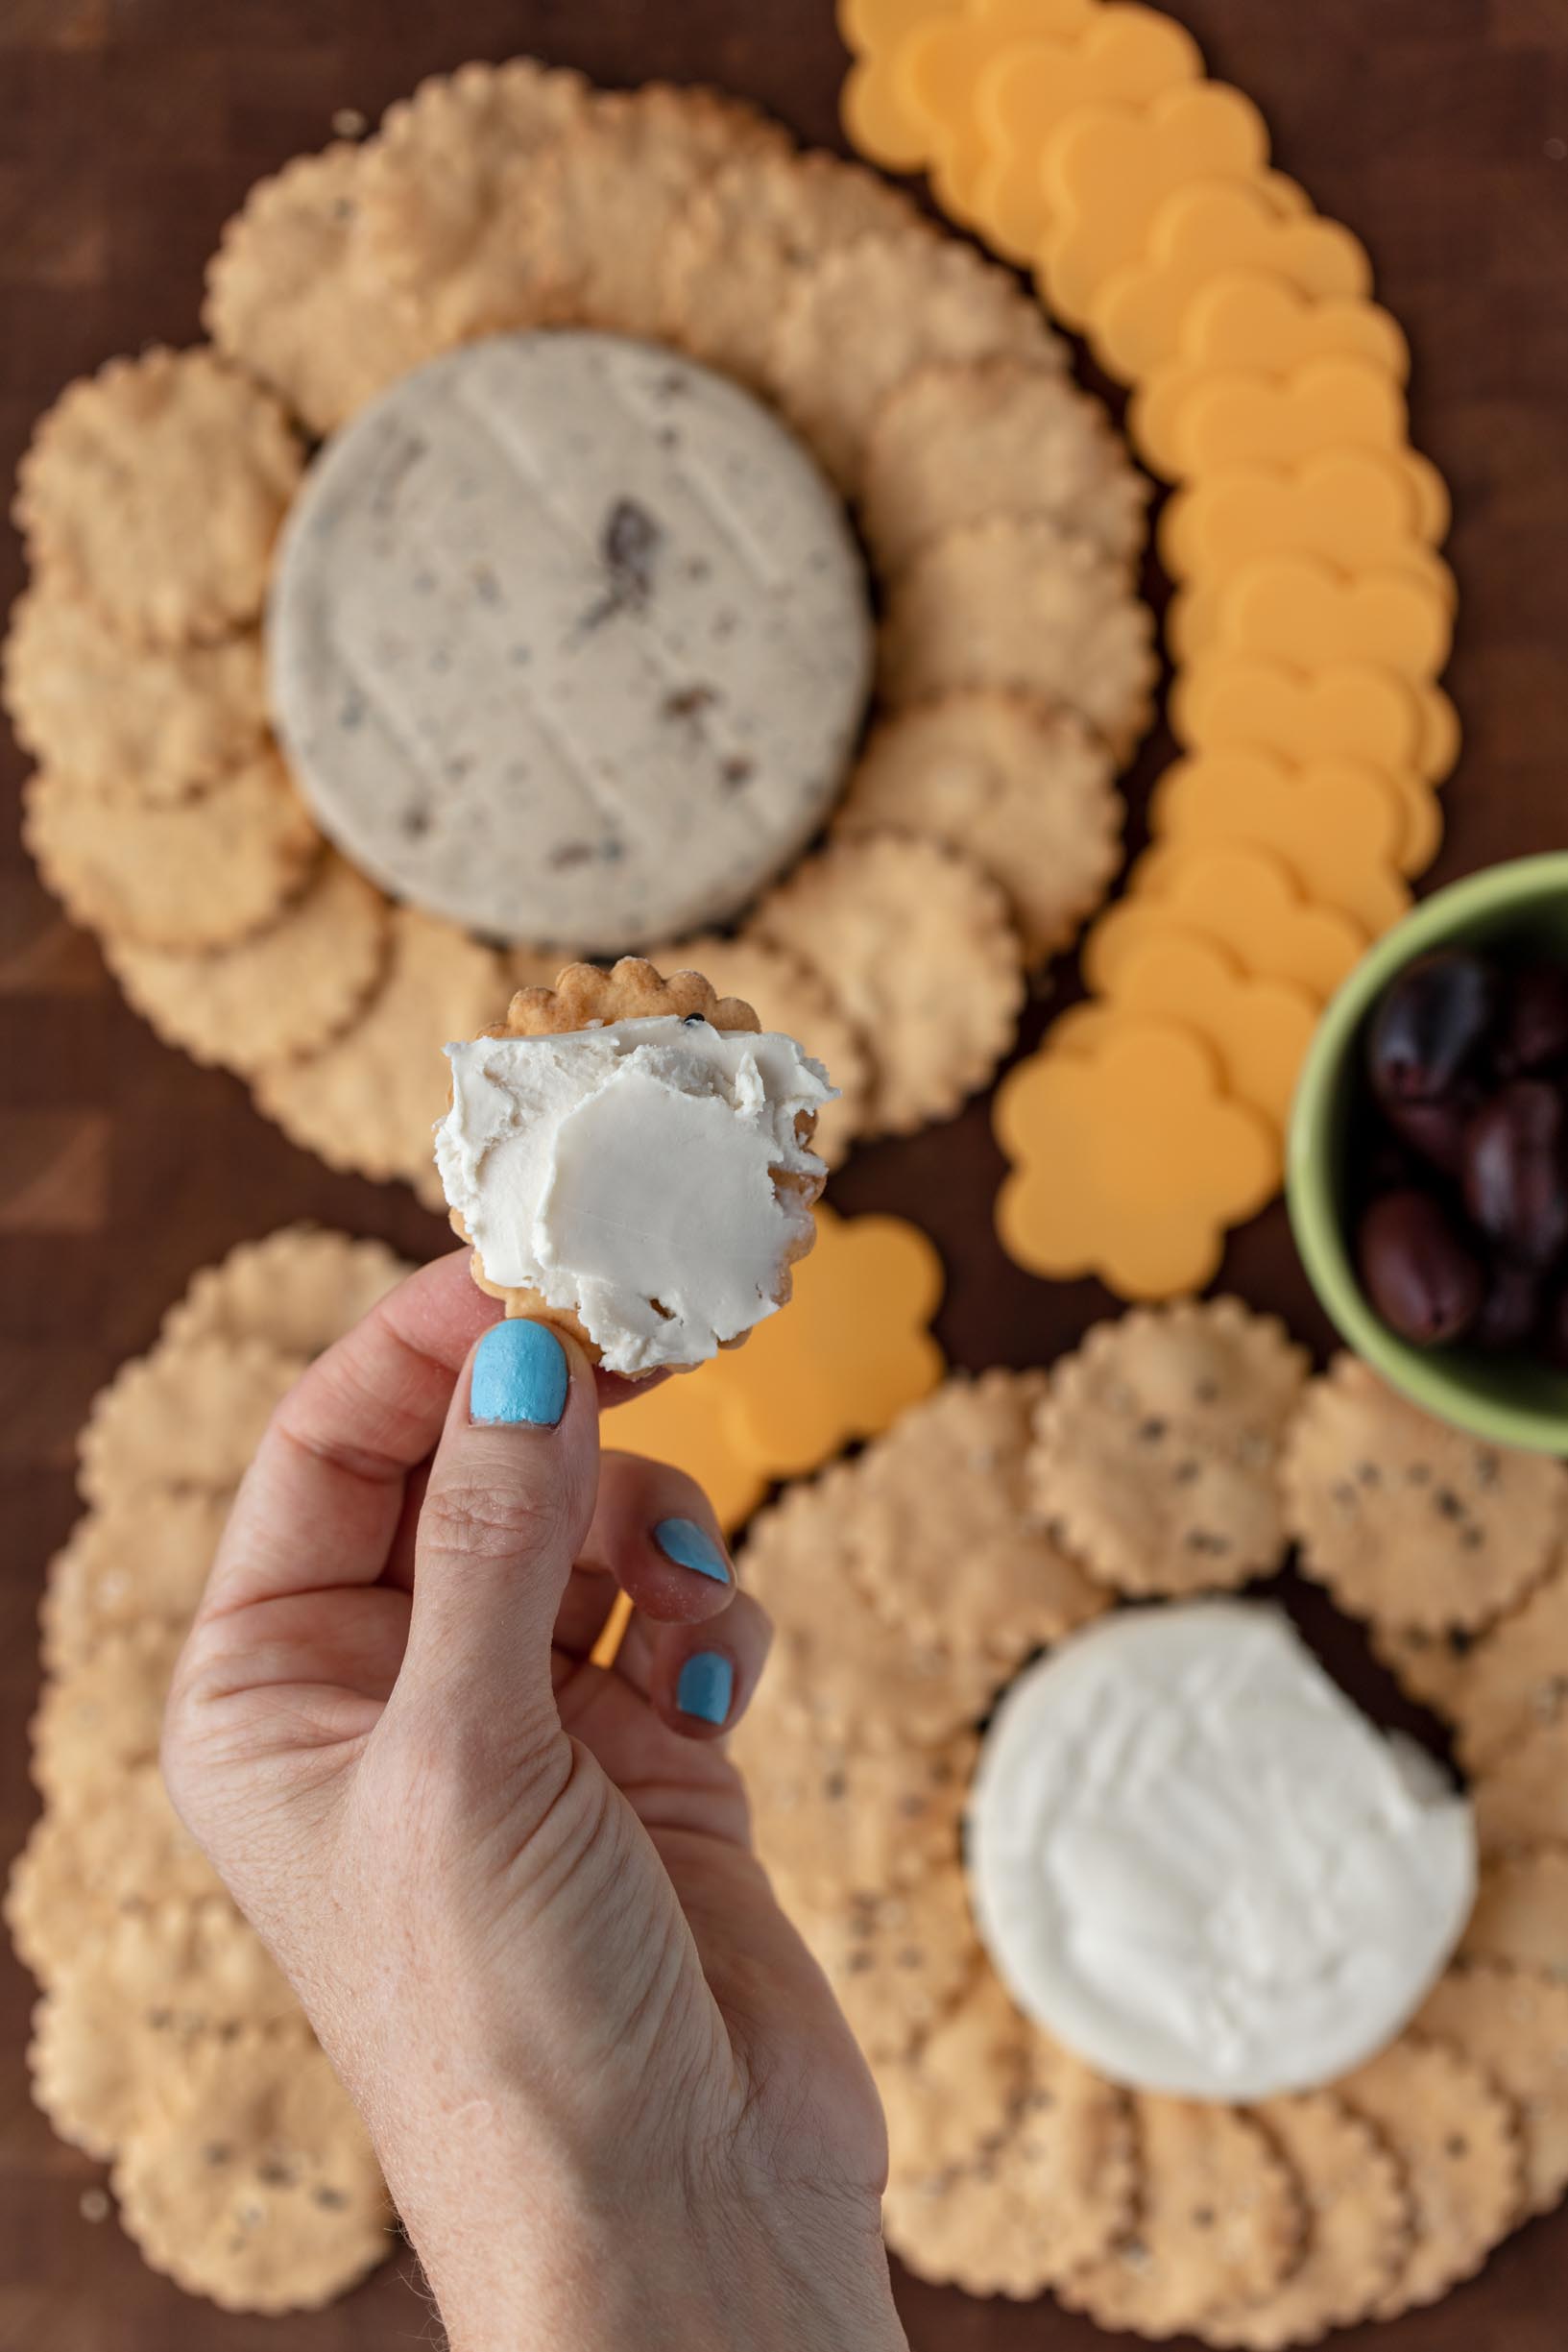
(627,1173)
(569,641)
(1200,1867)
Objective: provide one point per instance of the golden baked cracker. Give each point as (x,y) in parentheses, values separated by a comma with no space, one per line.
(867,314)
(142,1559)
(1521,1915)
(1516,1675)
(106,1713)
(254,2182)
(914,945)
(1521,1799)
(292,297)
(966,443)
(954,2097)
(298,1289)
(1512,2023)
(1407,1520)
(835,1664)
(444,195)
(1024,788)
(943,1537)
(370,1100)
(288,989)
(135,723)
(1019,603)
(1429,1667)
(91,1862)
(190,1413)
(1157,1447)
(154,489)
(606,199)
(1219,2222)
(201,873)
(746,240)
(1457,2139)
(1359,2236)
(898,1960)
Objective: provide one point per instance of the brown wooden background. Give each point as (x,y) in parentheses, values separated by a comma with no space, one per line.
(128,131)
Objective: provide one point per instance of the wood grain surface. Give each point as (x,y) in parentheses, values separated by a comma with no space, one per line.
(128,131)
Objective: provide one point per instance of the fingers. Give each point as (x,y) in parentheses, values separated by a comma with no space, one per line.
(654,1532)
(699,1678)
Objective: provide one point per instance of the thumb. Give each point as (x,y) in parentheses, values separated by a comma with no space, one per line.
(507,1508)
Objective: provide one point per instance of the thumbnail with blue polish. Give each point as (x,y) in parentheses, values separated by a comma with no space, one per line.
(520,1375)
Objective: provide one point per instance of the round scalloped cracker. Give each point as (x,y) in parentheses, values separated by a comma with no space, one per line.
(85,1865)
(943,1539)
(191,1414)
(1220,2220)
(298,1289)
(1407,1520)
(1429,1667)
(868,313)
(1019,603)
(898,1960)
(368,1101)
(134,722)
(1457,2141)
(1512,2023)
(1521,1915)
(1360,2233)
(951,2099)
(746,240)
(200,873)
(1515,1677)
(142,1559)
(256,2184)
(445,195)
(104,1715)
(1157,1448)
(155,488)
(965,443)
(788,997)
(1025,788)
(287,989)
(292,296)
(914,945)
(1521,1799)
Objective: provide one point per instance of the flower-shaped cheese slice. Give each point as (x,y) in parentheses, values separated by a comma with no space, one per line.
(1128,1163)
(1240,417)
(1338,825)
(1366,510)
(682,1421)
(875,112)
(1297,609)
(1244,898)
(1258,1029)
(1201,237)
(1109,169)
(1351,710)
(939,67)
(1127,55)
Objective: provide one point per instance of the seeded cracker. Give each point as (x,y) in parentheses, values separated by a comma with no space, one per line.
(298,1289)
(98,1718)
(867,314)
(292,296)
(288,989)
(972,443)
(1513,2024)
(1157,1447)
(143,1558)
(914,946)
(1457,2140)
(1521,1916)
(86,1864)
(131,722)
(188,1415)
(1515,1677)
(954,2098)
(1019,603)
(154,489)
(1023,786)
(1432,1668)
(898,1960)
(1359,2228)
(1522,1798)
(1407,1520)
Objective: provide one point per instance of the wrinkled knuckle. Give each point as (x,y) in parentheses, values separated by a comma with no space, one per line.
(488,1519)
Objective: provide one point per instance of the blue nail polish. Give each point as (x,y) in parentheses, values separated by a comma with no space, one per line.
(690,1546)
(706,1683)
(520,1375)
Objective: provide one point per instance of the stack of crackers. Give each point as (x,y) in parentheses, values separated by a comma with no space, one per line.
(1313,617)
(1178,1451)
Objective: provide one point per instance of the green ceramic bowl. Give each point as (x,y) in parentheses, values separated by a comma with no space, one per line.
(1507,1400)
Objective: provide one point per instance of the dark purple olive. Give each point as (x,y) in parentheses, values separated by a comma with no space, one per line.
(1428,1024)
(1511,1310)
(1437,1131)
(1533,1030)
(1516,1171)
(1420,1273)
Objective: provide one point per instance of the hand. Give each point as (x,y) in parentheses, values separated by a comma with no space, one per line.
(613,2098)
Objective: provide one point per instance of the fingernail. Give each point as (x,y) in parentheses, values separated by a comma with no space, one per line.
(706,1683)
(520,1374)
(690,1546)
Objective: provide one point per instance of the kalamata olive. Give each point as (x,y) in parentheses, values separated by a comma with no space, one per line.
(1516,1171)
(1420,1273)
(1510,1309)
(1532,1029)
(1437,1131)
(1429,1022)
